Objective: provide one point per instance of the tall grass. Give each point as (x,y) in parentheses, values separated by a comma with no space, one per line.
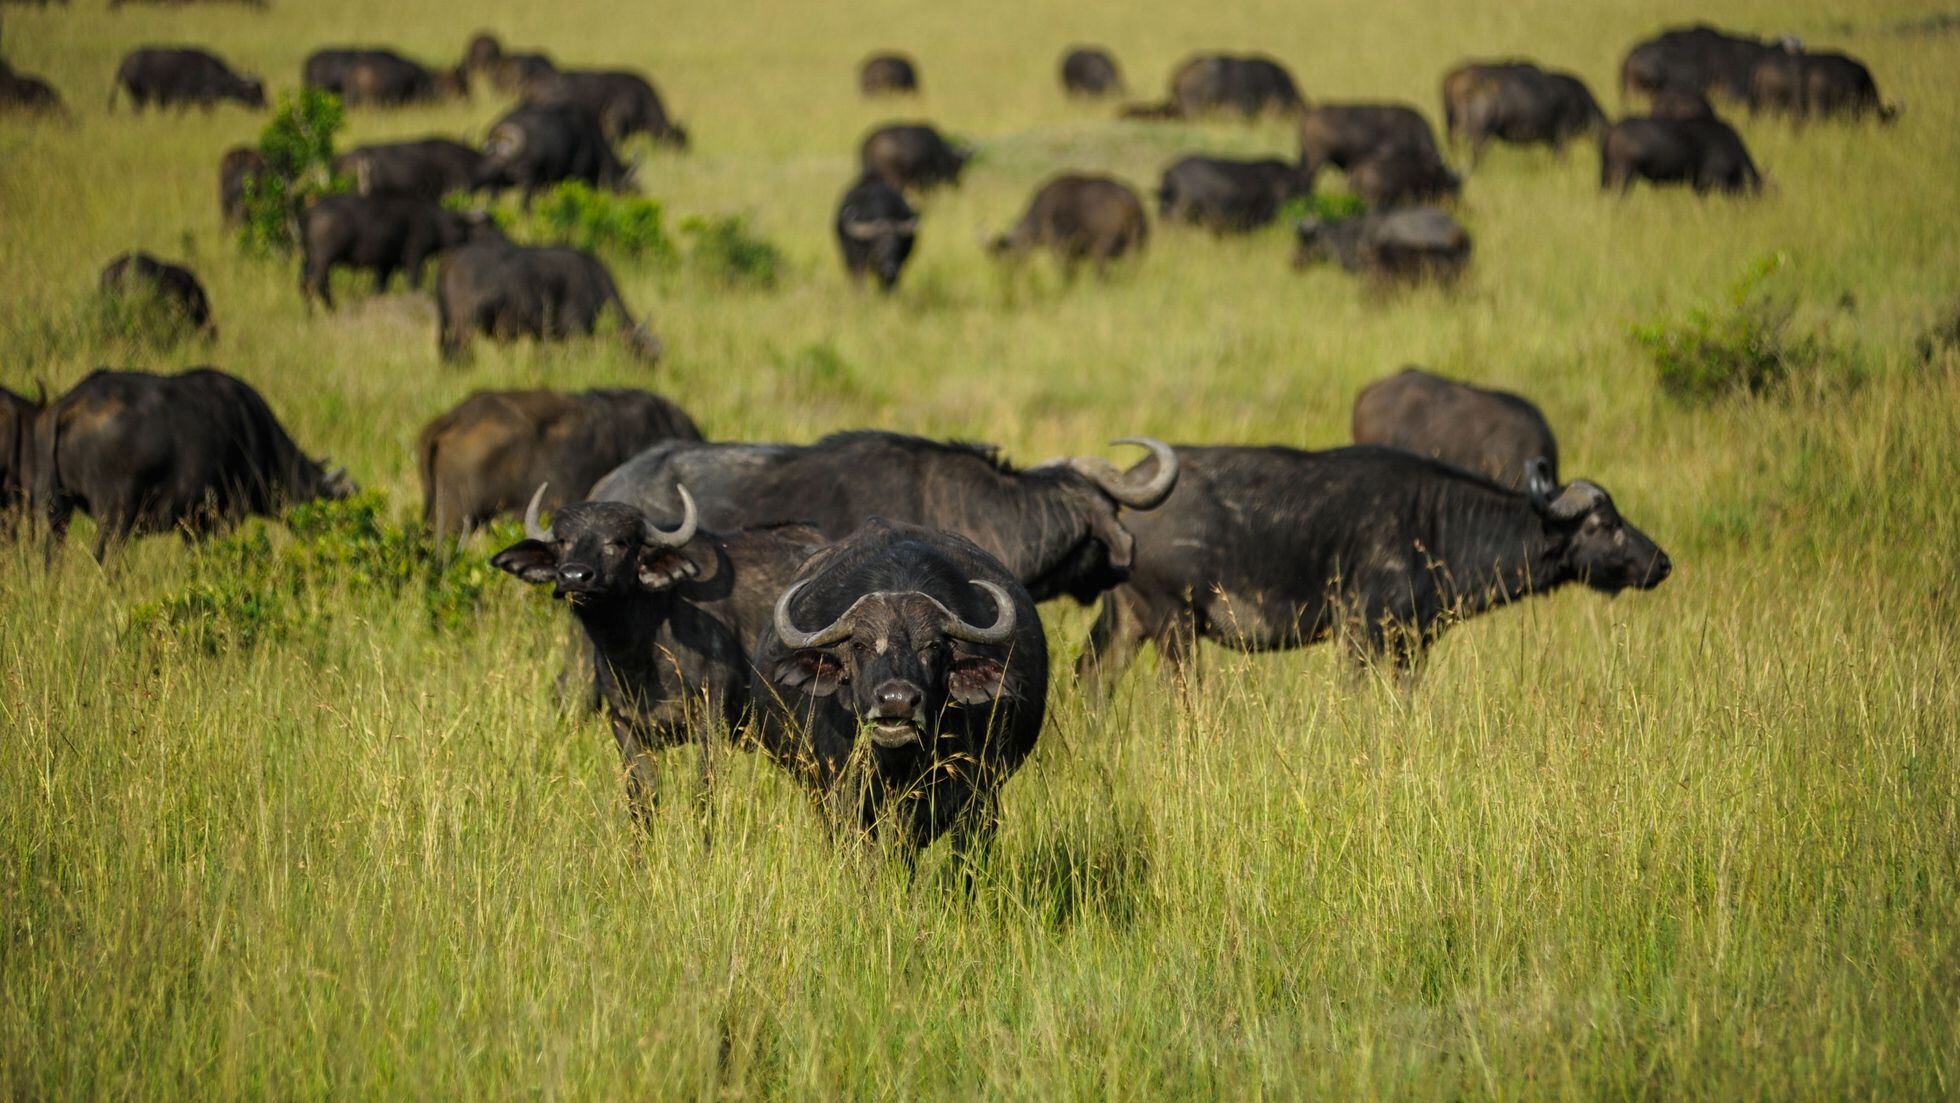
(1697,842)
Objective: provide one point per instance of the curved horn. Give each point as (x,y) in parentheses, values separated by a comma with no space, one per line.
(1003,626)
(1132,492)
(796,638)
(531,528)
(1577,499)
(653,537)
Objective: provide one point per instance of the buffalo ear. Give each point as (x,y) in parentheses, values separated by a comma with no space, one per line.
(1538,480)
(659,568)
(817,673)
(532,561)
(1112,534)
(975,681)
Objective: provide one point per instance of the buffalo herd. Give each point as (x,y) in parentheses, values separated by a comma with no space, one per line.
(864,608)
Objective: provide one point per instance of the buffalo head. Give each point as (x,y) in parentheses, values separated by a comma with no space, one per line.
(1598,547)
(1103,557)
(599,548)
(889,241)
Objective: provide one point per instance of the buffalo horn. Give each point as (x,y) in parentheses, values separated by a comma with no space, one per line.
(653,537)
(1132,492)
(1003,626)
(532,529)
(1577,499)
(796,638)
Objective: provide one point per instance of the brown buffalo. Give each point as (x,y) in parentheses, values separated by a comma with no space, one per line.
(1094,218)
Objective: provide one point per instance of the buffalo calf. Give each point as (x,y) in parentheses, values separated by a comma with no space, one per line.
(1090,71)
(888,74)
(135,276)
(1078,217)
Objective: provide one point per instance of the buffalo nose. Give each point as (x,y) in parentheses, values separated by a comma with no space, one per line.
(1662,568)
(574,575)
(895,701)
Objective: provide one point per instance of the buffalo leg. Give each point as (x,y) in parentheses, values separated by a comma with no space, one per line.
(642,780)
(1113,641)
(382,275)
(317,281)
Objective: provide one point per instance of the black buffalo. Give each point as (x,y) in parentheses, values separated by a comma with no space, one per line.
(151,453)
(1247,85)
(537,145)
(912,155)
(1519,103)
(887,74)
(17,417)
(1269,548)
(137,275)
(372,77)
(904,677)
(1705,153)
(1345,134)
(379,234)
(427,168)
(509,291)
(1058,527)
(1079,217)
(485,456)
(669,615)
(1699,58)
(1411,243)
(1401,177)
(180,77)
(875,231)
(1090,71)
(1816,86)
(27,94)
(235,171)
(1226,195)
(1494,433)
(624,103)
(1680,103)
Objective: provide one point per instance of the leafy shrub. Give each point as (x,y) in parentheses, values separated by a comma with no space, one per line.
(575,214)
(1325,206)
(1742,346)
(245,589)
(297,146)
(723,250)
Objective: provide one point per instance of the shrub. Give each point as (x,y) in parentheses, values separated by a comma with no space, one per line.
(1325,206)
(1743,346)
(297,146)
(723,251)
(575,214)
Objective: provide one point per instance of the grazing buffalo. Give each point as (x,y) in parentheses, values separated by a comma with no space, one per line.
(1262,549)
(1056,526)
(1411,243)
(624,103)
(1080,218)
(1699,58)
(235,172)
(537,145)
(1807,86)
(1345,134)
(138,275)
(17,415)
(150,453)
(180,77)
(1519,103)
(484,457)
(507,72)
(888,74)
(1246,85)
(875,230)
(904,678)
(669,615)
(26,94)
(379,234)
(1494,433)
(371,77)
(912,155)
(1400,177)
(1091,71)
(1705,153)
(429,168)
(1229,196)
(509,291)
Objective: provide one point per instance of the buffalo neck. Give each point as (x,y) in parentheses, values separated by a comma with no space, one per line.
(625,631)
(1046,524)
(1495,542)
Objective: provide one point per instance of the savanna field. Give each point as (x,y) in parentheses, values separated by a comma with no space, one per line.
(1697,842)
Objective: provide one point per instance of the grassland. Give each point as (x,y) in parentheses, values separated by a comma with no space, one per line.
(1701,842)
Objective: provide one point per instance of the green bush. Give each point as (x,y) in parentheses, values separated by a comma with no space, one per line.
(723,251)
(297,146)
(575,214)
(1325,206)
(244,589)
(1742,346)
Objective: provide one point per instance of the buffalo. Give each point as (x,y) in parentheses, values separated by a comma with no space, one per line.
(1080,218)
(235,172)
(1090,71)
(1401,177)
(17,416)
(136,276)
(27,94)
(669,615)
(379,234)
(1494,433)
(912,155)
(485,57)
(484,457)
(141,453)
(1345,134)
(509,291)
(537,145)
(1058,527)
(1227,195)
(1519,103)
(624,103)
(1248,85)
(1821,85)
(888,74)
(1705,153)
(1679,103)
(875,230)
(180,77)
(428,168)
(482,52)
(1699,58)
(1411,243)
(371,77)
(904,677)
(1263,549)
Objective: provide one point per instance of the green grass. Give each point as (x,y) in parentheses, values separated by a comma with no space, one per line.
(1698,842)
